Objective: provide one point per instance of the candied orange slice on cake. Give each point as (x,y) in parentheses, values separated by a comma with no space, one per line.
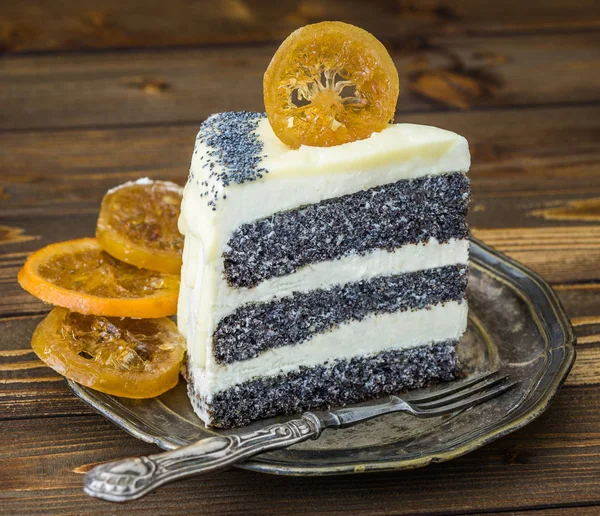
(134,358)
(79,275)
(330,83)
(138,224)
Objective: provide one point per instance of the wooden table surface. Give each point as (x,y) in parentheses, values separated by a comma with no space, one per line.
(93,93)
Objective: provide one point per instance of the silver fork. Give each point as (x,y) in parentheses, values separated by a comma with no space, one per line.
(132,478)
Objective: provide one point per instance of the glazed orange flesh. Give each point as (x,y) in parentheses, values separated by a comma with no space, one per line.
(138,225)
(330,83)
(132,358)
(79,275)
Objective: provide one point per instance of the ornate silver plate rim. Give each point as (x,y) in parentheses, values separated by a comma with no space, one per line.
(547,314)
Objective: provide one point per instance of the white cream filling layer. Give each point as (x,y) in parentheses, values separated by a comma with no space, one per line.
(375,334)
(205,298)
(348,269)
(310,175)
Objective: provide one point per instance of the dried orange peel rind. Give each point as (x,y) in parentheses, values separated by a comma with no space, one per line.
(138,225)
(124,357)
(80,276)
(330,83)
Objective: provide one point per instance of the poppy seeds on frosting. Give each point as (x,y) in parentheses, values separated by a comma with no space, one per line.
(234,154)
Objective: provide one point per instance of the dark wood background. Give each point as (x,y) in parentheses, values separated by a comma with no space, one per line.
(95,92)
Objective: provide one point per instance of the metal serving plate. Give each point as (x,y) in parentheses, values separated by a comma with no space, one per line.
(516,325)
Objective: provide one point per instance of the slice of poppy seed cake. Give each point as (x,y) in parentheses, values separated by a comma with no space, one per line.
(323,275)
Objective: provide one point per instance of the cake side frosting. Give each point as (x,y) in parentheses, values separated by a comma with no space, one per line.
(224,192)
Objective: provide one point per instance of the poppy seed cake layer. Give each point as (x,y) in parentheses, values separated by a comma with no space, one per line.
(339,383)
(385,217)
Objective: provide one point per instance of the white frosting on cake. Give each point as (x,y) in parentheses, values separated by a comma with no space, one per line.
(309,175)
(377,333)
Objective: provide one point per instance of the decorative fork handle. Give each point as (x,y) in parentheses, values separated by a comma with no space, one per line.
(132,478)
(129,479)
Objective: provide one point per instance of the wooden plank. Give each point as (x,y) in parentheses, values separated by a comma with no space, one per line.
(158,86)
(34,25)
(555,461)
(28,388)
(581,302)
(586,370)
(558,253)
(66,172)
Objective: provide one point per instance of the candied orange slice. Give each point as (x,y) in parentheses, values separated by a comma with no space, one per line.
(138,225)
(330,83)
(134,358)
(79,275)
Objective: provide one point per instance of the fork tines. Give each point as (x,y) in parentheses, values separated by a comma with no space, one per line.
(458,397)
(454,387)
